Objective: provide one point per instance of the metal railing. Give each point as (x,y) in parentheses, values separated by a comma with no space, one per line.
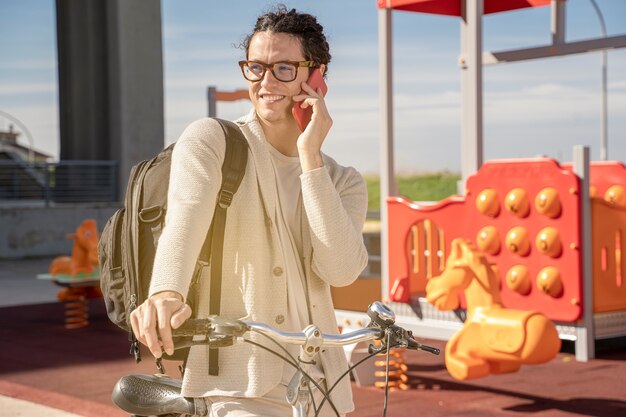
(59,182)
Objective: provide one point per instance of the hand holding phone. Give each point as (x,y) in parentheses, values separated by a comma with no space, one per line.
(303,116)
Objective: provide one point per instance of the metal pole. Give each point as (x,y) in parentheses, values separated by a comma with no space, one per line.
(47,195)
(114,193)
(558,21)
(460,186)
(604,153)
(387,171)
(471,89)
(211,92)
(585,334)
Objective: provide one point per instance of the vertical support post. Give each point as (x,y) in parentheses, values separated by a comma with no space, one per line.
(110,84)
(471,89)
(604,121)
(604,152)
(211,91)
(557,21)
(47,195)
(114,182)
(387,171)
(585,331)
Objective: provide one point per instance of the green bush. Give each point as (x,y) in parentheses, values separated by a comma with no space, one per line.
(420,187)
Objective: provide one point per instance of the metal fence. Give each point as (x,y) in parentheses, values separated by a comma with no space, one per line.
(59,182)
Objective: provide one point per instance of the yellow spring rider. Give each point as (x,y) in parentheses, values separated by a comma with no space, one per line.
(494,339)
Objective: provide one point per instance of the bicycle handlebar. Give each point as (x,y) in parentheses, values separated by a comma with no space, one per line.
(221,332)
(160,395)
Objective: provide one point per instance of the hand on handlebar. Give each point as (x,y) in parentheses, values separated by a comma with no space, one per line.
(222,332)
(152,322)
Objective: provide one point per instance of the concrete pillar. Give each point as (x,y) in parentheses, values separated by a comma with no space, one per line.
(110,81)
(83,80)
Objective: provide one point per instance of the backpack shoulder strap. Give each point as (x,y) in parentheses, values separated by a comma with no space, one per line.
(235,160)
(233,171)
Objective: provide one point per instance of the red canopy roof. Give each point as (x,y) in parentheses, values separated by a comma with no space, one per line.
(453,7)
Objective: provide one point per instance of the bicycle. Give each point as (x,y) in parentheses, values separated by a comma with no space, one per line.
(160,395)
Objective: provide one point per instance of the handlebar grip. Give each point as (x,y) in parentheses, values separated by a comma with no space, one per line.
(430,349)
(415,345)
(192,327)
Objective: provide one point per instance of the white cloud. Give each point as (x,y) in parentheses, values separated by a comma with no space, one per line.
(617,85)
(545,103)
(174,32)
(27,88)
(202,56)
(23,65)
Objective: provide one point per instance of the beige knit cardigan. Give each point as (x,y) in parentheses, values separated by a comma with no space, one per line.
(254,285)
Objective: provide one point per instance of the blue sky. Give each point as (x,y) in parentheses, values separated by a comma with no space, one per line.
(531,108)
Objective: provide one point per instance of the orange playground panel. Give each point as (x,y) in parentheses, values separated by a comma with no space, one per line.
(525,215)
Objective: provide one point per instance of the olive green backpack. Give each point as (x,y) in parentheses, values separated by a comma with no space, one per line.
(129,239)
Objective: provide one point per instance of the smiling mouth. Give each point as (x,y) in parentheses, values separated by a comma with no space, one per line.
(272,98)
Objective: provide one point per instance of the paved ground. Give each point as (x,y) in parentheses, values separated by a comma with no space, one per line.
(20,288)
(18,408)
(47,370)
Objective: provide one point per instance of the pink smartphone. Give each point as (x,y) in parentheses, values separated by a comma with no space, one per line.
(303,116)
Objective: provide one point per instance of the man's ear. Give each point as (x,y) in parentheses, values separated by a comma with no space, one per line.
(322,69)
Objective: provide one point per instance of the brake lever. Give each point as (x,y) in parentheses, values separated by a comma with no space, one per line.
(401,338)
(415,345)
(193,327)
(213,341)
(215,331)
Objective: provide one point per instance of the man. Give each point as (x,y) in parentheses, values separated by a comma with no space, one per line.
(293,229)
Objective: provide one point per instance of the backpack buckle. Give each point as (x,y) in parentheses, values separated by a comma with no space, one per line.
(226,198)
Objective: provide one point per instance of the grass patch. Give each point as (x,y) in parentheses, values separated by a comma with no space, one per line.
(420,187)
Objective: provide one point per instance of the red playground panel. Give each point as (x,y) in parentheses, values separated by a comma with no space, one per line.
(525,216)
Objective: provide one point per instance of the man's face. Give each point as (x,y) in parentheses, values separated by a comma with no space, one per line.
(271,98)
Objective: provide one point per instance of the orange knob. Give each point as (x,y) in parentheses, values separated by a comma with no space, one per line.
(516,202)
(592,191)
(517,242)
(548,242)
(487,240)
(517,279)
(549,281)
(616,195)
(547,202)
(487,202)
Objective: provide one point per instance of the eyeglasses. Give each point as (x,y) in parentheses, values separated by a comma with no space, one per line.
(284,71)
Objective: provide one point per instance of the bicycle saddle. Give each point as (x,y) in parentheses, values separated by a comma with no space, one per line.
(154,395)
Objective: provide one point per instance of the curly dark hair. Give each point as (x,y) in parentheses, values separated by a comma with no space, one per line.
(302,25)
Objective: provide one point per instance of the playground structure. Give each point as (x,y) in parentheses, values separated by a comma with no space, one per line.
(527,216)
(577,293)
(214,95)
(84,258)
(78,274)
